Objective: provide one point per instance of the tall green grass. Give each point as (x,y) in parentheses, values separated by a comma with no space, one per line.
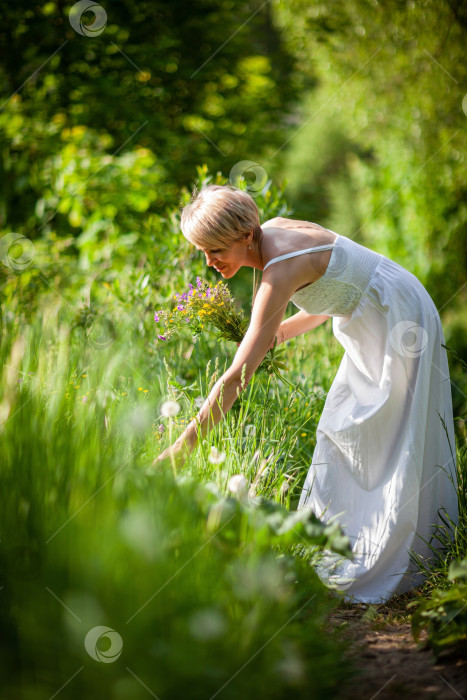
(442,607)
(201,590)
(208,593)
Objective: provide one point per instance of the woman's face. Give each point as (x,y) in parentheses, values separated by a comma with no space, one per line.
(228,260)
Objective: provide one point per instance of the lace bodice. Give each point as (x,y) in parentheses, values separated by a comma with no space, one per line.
(338,291)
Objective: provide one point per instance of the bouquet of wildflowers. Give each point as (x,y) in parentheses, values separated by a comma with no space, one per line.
(211,309)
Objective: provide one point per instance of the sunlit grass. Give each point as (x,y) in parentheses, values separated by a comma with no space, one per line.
(93,535)
(92,531)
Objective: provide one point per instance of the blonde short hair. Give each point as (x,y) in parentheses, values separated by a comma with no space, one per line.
(220,215)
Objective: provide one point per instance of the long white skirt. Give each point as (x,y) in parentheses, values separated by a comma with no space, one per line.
(382,460)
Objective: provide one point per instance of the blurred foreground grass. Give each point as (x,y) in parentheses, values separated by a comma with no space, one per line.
(117,579)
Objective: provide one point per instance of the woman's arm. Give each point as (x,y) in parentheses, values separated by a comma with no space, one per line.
(220,400)
(298,324)
(268,311)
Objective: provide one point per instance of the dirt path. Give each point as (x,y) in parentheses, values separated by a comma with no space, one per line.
(390,664)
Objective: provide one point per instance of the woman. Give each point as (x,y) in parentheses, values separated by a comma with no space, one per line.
(382,456)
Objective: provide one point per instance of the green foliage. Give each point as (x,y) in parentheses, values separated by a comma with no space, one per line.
(442,609)
(198,584)
(91,534)
(444,614)
(178,78)
(99,137)
(376,152)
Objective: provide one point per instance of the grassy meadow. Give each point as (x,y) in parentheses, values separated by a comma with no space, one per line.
(201,579)
(200,583)
(118,579)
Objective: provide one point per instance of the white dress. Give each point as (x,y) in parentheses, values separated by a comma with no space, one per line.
(382,457)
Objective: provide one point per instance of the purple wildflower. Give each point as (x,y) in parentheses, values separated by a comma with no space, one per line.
(187,320)
(185,296)
(198,282)
(161,428)
(180,307)
(161,337)
(156,317)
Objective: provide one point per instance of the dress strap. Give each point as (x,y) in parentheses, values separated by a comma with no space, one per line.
(328,246)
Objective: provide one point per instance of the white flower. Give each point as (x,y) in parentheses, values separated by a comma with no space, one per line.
(238,484)
(170,408)
(216,457)
(199,401)
(250,430)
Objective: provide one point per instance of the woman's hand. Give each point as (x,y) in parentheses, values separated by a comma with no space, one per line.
(176,454)
(279,338)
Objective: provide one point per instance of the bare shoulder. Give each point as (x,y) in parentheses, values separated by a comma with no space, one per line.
(272,223)
(279,279)
(282,222)
(294,224)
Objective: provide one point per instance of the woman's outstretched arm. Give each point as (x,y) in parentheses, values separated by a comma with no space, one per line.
(220,400)
(268,311)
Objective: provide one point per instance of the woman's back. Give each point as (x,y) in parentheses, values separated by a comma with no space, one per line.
(332,286)
(284,236)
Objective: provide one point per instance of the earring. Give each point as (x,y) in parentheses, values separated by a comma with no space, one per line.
(249,247)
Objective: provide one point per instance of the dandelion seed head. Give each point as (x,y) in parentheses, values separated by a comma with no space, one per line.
(216,457)
(170,408)
(238,484)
